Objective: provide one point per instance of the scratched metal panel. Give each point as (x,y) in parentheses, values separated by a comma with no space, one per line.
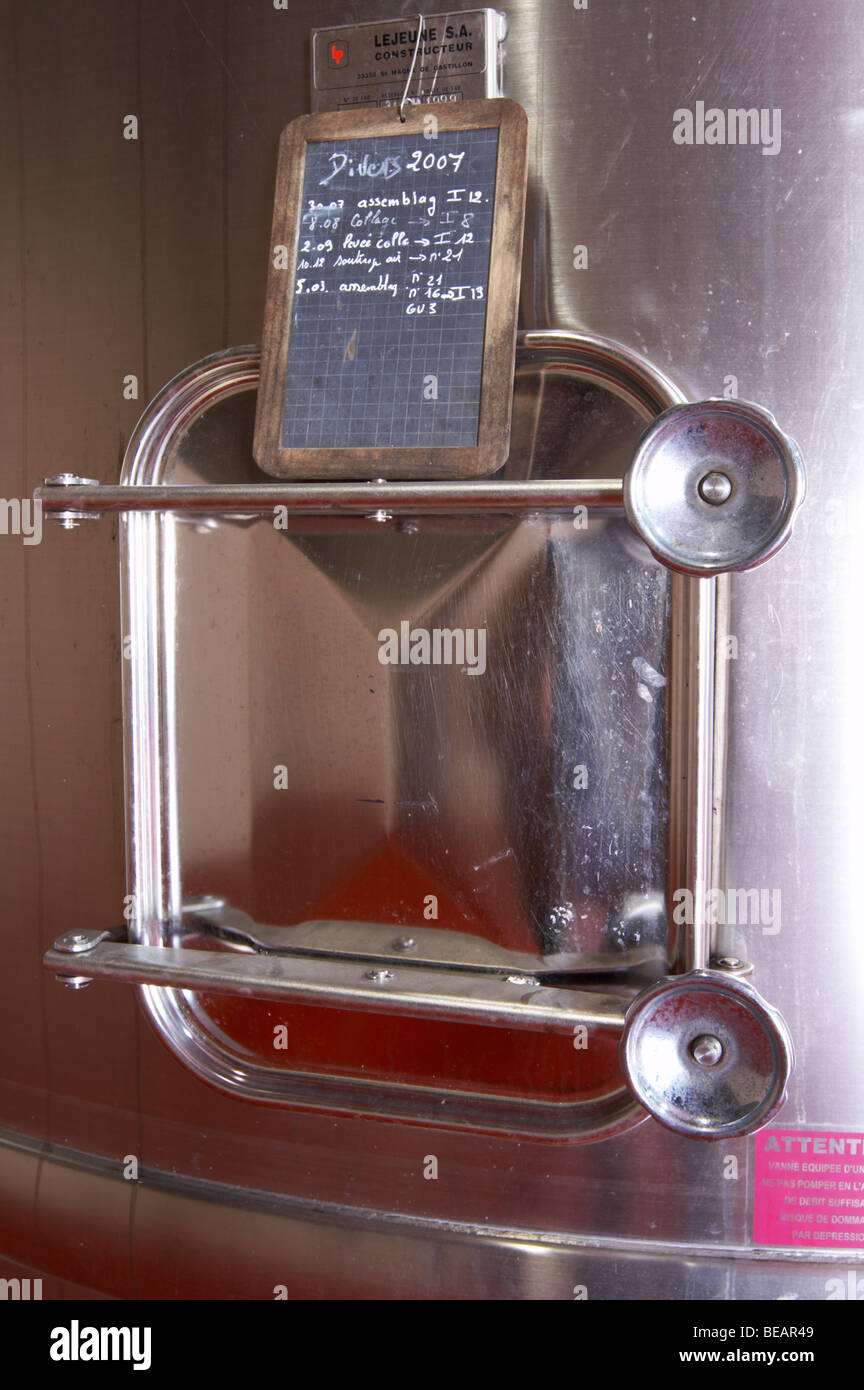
(277,762)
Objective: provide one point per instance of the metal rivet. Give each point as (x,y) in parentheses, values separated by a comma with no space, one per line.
(71,480)
(715,488)
(379,976)
(70,520)
(74,941)
(706,1050)
(404,943)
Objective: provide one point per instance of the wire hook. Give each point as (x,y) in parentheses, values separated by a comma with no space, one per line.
(411,69)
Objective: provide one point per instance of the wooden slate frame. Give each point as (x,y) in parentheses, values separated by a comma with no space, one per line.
(427,462)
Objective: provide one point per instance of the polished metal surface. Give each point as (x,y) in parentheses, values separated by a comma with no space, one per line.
(501,841)
(504,1001)
(425,946)
(714,486)
(323,499)
(212,919)
(264,1245)
(732,271)
(706,1055)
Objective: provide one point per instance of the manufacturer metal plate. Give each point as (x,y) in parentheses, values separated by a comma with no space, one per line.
(459,58)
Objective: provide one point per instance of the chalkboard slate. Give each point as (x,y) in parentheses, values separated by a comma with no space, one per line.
(392,298)
(390,292)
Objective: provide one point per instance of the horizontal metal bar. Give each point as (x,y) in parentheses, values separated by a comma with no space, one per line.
(377,943)
(361,499)
(504,1001)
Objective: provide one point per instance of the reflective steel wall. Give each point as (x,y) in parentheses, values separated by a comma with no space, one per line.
(132,247)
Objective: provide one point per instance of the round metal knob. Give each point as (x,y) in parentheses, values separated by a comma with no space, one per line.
(706,1055)
(714,486)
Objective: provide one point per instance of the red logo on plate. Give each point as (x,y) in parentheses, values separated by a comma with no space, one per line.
(337,55)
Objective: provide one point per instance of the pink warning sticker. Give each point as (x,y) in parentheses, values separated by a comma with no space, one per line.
(809,1188)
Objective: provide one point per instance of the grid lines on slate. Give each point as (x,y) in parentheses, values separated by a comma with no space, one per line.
(389,311)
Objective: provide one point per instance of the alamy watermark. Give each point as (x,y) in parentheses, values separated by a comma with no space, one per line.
(77,1343)
(21,516)
(20,1290)
(731,907)
(441,646)
(736,126)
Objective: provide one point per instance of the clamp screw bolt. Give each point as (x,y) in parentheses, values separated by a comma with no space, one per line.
(706,1050)
(715,488)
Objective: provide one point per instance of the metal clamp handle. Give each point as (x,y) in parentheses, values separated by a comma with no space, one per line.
(714,487)
(424,973)
(706,1055)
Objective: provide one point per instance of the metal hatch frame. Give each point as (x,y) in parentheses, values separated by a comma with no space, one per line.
(153,955)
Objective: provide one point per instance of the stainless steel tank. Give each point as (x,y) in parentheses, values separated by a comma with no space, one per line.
(450,867)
